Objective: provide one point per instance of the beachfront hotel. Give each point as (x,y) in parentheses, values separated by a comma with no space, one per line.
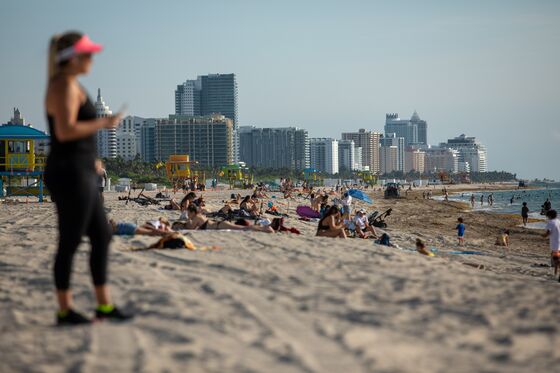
(207,95)
(276,148)
(472,154)
(107,137)
(413,130)
(415,160)
(369,141)
(208,140)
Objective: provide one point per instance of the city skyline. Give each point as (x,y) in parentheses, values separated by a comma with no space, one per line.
(485,70)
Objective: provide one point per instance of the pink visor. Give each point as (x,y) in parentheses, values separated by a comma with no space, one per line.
(83,46)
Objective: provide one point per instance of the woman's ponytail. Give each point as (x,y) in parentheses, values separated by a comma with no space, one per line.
(53,50)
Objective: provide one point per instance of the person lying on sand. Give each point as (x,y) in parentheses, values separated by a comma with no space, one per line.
(122,228)
(161,225)
(363,229)
(198,221)
(421,248)
(331,225)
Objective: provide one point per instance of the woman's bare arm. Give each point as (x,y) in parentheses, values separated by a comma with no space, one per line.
(64,97)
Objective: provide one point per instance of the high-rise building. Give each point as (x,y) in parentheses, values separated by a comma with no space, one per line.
(358,164)
(389,158)
(274,147)
(207,95)
(472,154)
(107,137)
(348,156)
(415,160)
(323,154)
(391,139)
(369,142)
(413,130)
(187,97)
(441,159)
(17,119)
(422,127)
(128,135)
(148,140)
(208,140)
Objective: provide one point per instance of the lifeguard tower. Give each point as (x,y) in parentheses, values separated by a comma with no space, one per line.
(19,163)
(180,173)
(312,177)
(237,175)
(367,177)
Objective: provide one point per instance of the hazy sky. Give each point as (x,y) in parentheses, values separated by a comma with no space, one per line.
(489,69)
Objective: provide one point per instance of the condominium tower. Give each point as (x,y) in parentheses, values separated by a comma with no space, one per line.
(208,140)
(207,95)
(286,147)
(369,142)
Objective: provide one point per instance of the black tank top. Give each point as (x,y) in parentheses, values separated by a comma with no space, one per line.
(82,147)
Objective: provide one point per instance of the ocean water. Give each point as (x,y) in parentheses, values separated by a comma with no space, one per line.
(503,204)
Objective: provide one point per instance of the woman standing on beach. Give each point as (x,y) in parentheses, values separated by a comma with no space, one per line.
(71,176)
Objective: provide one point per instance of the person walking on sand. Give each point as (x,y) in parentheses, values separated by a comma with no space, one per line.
(553,233)
(70,173)
(482,200)
(460,232)
(101,178)
(525,213)
(472,201)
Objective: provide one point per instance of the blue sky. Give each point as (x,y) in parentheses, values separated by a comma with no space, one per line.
(489,69)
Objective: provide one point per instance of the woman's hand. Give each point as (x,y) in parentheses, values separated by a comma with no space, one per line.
(113,121)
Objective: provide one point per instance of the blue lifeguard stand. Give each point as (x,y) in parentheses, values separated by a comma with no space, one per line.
(18,160)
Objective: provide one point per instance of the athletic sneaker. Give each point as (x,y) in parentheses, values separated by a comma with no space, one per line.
(71,318)
(114,314)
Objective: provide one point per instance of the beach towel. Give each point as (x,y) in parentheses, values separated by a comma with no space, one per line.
(307,212)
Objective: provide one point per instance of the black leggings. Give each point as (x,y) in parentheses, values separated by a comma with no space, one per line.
(73,187)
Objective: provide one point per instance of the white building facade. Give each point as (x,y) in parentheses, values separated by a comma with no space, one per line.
(323,154)
(106,138)
(472,154)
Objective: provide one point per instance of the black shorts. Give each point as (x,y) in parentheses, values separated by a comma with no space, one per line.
(101,189)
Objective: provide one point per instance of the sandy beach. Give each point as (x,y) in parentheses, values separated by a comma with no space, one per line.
(285,302)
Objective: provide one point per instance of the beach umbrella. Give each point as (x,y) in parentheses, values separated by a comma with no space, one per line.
(358,194)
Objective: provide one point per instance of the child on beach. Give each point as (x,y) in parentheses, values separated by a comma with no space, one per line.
(461,232)
(503,240)
(525,213)
(553,233)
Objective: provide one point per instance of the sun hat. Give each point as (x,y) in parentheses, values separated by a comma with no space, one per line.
(83,46)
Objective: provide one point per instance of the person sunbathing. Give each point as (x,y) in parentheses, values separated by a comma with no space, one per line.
(421,248)
(331,225)
(160,225)
(122,228)
(197,221)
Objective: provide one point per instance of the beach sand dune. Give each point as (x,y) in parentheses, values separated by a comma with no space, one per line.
(284,302)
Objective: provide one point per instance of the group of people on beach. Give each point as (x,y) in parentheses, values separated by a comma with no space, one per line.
(71,165)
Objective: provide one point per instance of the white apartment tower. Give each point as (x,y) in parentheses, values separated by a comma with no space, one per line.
(106,138)
(323,154)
